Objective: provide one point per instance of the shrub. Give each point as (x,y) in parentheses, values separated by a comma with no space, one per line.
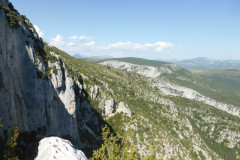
(48,73)
(238,158)
(9,153)
(55,70)
(116,148)
(12,15)
(51,58)
(9,150)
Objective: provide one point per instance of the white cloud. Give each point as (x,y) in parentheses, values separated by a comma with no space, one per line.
(70,44)
(125,46)
(58,38)
(158,46)
(40,33)
(119,49)
(136,47)
(58,41)
(89,44)
(79,38)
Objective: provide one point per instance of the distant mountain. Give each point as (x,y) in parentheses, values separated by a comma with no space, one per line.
(96,59)
(91,58)
(207,63)
(79,56)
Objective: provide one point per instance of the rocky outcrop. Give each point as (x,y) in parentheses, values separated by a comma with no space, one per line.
(55,148)
(169,88)
(148,71)
(110,108)
(175,90)
(124,109)
(94,92)
(37,93)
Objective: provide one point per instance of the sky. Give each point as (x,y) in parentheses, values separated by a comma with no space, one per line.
(152,29)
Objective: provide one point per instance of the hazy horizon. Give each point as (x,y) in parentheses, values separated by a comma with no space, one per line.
(159,59)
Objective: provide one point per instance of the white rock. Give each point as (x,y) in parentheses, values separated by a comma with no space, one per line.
(109,107)
(148,71)
(122,108)
(94,92)
(33,102)
(55,148)
(175,90)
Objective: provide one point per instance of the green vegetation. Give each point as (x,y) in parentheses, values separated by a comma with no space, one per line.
(160,121)
(50,58)
(7,152)
(10,151)
(44,54)
(140,61)
(116,148)
(221,85)
(12,15)
(238,158)
(154,122)
(14,19)
(48,73)
(54,70)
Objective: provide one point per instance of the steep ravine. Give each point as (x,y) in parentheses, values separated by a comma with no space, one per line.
(167,88)
(193,126)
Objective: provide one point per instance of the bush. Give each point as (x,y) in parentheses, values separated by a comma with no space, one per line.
(116,148)
(55,70)
(48,73)
(12,15)
(9,150)
(9,153)
(238,158)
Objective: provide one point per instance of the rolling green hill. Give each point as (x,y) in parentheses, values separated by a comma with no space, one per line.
(222,85)
(139,61)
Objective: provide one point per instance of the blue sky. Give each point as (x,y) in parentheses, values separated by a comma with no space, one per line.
(155,29)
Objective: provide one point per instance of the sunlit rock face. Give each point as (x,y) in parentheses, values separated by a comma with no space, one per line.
(110,108)
(55,148)
(148,71)
(175,90)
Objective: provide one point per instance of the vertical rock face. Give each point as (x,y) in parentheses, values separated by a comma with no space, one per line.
(122,108)
(109,107)
(35,101)
(94,92)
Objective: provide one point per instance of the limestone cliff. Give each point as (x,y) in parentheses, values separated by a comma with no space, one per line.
(148,71)
(52,148)
(37,93)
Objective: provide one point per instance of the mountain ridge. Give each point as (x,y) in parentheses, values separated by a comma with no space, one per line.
(208,63)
